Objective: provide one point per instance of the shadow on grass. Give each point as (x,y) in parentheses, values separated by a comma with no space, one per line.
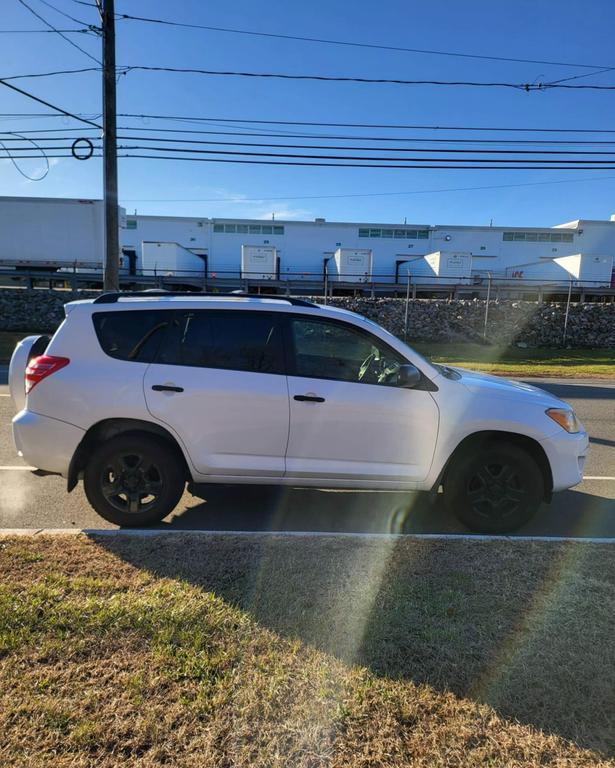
(526,627)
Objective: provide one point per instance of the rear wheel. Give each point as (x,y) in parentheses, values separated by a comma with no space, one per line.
(134,479)
(495,488)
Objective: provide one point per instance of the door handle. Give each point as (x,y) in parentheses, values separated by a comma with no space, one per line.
(309,399)
(166,388)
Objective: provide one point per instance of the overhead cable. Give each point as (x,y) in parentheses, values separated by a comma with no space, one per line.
(54,29)
(16,164)
(360,194)
(48,104)
(302,38)
(527,87)
(63,13)
(359,165)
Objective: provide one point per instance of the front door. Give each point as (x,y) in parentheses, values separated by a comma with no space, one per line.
(348,420)
(219,383)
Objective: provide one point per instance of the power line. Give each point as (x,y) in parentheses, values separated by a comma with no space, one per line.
(472,142)
(125,70)
(374,149)
(302,38)
(63,13)
(479,160)
(47,104)
(16,164)
(392,126)
(349,165)
(293,155)
(516,142)
(452,141)
(47,24)
(57,72)
(527,87)
(445,150)
(191,150)
(361,194)
(362,165)
(42,31)
(388,126)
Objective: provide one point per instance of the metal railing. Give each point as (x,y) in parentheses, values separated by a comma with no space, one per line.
(486,285)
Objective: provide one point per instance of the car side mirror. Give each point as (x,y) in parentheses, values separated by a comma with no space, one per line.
(408,376)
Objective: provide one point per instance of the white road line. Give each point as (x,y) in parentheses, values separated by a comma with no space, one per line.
(17,469)
(597,477)
(3,395)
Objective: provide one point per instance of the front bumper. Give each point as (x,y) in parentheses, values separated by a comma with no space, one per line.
(44,442)
(567,454)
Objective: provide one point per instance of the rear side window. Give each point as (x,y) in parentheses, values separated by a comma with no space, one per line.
(134,335)
(233,340)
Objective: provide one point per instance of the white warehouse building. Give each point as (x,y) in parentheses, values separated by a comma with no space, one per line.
(65,233)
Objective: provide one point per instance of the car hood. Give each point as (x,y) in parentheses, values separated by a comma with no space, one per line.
(486,384)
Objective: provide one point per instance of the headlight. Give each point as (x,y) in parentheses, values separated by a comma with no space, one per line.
(565,417)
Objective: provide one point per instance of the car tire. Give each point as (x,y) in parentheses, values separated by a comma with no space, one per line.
(494,489)
(134,479)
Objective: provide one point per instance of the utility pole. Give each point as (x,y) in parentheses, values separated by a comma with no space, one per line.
(112,244)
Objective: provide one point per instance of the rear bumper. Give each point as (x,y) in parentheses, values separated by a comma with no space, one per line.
(567,454)
(44,442)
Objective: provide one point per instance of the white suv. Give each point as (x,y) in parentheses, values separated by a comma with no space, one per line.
(140,393)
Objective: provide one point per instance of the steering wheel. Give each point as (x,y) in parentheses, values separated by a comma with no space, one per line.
(368,364)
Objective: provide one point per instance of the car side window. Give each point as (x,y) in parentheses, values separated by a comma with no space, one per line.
(325,350)
(232,340)
(131,335)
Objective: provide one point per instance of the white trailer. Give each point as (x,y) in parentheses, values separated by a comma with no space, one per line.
(447,267)
(170,260)
(259,262)
(586,269)
(353,265)
(51,233)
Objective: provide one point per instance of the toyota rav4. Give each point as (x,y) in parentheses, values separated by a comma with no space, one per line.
(138,394)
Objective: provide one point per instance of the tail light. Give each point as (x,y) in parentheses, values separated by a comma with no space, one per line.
(41,367)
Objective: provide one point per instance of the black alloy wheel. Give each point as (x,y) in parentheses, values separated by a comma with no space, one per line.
(496,491)
(134,479)
(494,488)
(132,483)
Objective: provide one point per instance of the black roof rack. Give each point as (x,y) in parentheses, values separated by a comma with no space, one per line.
(114,297)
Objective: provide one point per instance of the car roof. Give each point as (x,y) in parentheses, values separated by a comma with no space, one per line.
(145,300)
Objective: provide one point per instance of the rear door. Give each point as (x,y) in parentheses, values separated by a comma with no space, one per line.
(349,420)
(219,382)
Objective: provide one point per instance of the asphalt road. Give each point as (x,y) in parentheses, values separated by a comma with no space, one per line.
(27,501)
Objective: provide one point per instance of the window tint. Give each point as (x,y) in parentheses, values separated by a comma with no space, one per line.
(132,335)
(334,351)
(240,341)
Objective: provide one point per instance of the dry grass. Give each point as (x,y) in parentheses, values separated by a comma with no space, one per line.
(305,651)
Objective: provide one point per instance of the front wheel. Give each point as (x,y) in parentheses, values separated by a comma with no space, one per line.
(495,488)
(134,479)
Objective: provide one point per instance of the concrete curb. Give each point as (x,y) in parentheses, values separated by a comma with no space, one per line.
(149,533)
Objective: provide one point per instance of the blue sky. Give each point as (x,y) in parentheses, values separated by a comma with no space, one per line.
(559,30)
